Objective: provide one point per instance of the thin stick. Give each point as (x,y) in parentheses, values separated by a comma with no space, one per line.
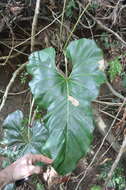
(76,24)
(110,115)
(114,91)
(12,56)
(14,49)
(33,117)
(23,42)
(107,103)
(106,28)
(10,84)
(34,24)
(122,150)
(61,26)
(15,93)
(68,29)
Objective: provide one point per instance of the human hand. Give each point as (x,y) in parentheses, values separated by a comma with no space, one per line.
(25,167)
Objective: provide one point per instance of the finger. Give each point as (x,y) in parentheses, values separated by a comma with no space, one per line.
(28,158)
(41,158)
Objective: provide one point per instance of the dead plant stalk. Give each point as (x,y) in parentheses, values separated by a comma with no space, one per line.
(10,84)
(61,26)
(34,24)
(114,166)
(34,27)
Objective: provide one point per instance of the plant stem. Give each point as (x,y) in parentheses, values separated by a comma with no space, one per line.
(30,113)
(10,84)
(76,24)
(117,94)
(61,26)
(122,149)
(66,67)
(34,24)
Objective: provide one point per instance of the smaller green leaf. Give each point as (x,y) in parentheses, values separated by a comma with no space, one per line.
(96,187)
(21,138)
(40,187)
(10,187)
(115,68)
(70,8)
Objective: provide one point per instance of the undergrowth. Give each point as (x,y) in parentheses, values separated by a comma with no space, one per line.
(111,35)
(118,178)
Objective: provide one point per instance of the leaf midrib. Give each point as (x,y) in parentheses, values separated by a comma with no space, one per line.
(68,112)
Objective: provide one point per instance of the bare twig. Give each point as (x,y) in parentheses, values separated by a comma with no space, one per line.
(110,115)
(33,116)
(12,56)
(106,28)
(115,12)
(122,150)
(107,103)
(68,29)
(6,58)
(85,8)
(10,84)
(36,33)
(31,17)
(16,93)
(14,49)
(61,26)
(117,94)
(34,24)
(103,129)
(17,41)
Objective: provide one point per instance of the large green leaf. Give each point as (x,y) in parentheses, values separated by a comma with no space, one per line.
(67,100)
(20,138)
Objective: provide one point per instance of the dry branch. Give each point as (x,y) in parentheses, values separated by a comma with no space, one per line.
(15,93)
(10,84)
(25,41)
(34,24)
(12,56)
(106,28)
(103,129)
(121,152)
(114,92)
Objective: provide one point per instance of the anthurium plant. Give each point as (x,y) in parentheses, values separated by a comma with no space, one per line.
(66,130)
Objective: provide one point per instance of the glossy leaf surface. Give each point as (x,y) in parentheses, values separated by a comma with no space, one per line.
(20,138)
(67,99)
(10,187)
